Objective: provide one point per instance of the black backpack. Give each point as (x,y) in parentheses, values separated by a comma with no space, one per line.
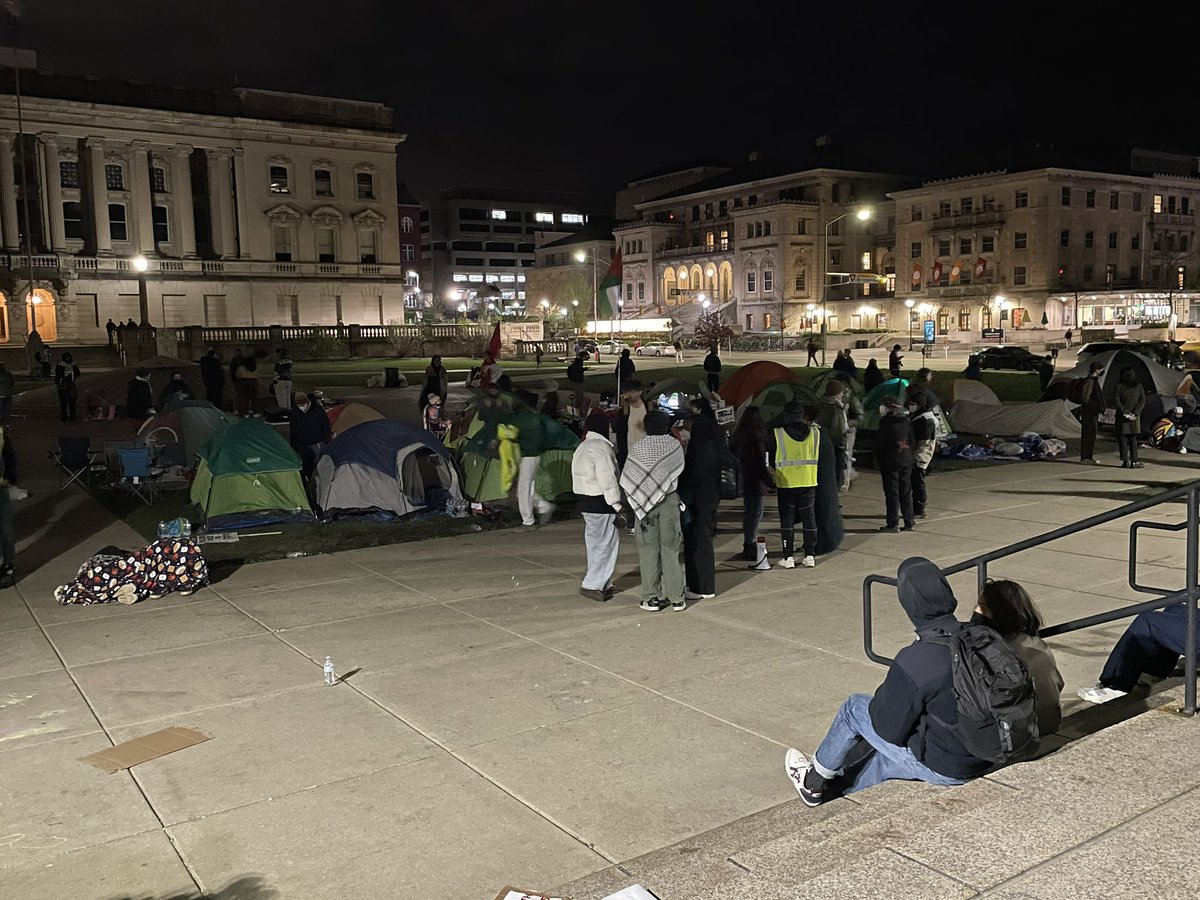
(997,706)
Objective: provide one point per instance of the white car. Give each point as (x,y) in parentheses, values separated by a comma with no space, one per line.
(613,346)
(657,348)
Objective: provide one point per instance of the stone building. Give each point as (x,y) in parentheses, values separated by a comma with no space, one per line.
(562,284)
(250,208)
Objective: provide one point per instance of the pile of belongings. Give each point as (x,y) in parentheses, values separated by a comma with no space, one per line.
(1028,446)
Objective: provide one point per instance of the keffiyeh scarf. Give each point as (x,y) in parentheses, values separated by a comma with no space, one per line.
(651,471)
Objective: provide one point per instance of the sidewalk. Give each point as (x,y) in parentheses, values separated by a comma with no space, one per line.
(494,727)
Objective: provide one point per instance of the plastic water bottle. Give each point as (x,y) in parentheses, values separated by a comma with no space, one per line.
(330,677)
(296,554)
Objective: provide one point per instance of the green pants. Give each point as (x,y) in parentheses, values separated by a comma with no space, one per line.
(660,545)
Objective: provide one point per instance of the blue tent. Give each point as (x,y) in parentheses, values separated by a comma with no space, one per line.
(385,465)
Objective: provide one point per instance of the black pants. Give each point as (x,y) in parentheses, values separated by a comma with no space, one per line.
(214,394)
(1152,644)
(699,559)
(1087,439)
(919,495)
(798,503)
(840,462)
(714,382)
(66,405)
(897,491)
(812,359)
(1128,445)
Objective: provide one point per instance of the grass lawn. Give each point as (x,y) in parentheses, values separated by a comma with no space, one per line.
(354,372)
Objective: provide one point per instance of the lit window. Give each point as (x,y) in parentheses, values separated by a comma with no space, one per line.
(866,261)
(365,184)
(475,276)
(521,277)
(460,276)
(766,316)
(1158,203)
(68,173)
(322,183)
(158,180)
(114,177)
(118,230)
(520,295)
(508,279)
(408,252)
(768,280)
(406,225)
(544,217)
(162,228)
(279,180)
(572,218)
(499,214)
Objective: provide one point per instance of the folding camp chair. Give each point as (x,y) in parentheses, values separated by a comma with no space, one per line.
(75,459)
(137,477)
(112,459)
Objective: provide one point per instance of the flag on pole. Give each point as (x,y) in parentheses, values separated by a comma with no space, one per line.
(493,346)
(980,268)
(937,272)
(609,290)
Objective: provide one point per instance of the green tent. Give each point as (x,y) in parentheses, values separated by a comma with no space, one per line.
(818,382)
(771,398)
(248,475)
(893,387)
(481,469)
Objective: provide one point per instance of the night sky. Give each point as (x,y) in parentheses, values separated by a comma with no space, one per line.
(569,96)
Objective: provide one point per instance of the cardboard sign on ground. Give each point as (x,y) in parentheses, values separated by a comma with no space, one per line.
(512,893)
(143,749)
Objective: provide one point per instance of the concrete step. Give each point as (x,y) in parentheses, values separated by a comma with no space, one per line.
(89,358)
(913,841)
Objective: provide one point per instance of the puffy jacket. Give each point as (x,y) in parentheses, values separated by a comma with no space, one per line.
(594,475)
(894,443)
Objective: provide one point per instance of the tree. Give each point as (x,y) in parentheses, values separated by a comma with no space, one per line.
(781,313)
(712,330)
(576,288)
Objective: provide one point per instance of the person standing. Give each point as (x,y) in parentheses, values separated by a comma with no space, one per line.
(437,381)
(925,444)
(630,425)
(894,360)
(1045,373)
(625,367)
(531,439)
(594,481)
(872,376)
(750,447)
(212,374)
(283,379)
(491,372)
(712,369)
(575,373)
(7,389)
(1130,401)
(894,457)
(139,400)
(309,432)
(246,383)
(854,415)
(678,352)
(812,349)
(793,455)
(537,356)
(701,490)
(111,328)
(1091,405)
(649,479)
(1067,338)
(831,416)
(65,375)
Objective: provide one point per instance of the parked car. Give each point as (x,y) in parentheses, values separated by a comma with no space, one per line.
(656,348)
(1010,357)
(585,346)
(613,346)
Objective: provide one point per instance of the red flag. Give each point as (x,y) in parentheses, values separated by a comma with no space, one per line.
(916,276)
(956,271)
(980,268)
(494,344)
(937,272)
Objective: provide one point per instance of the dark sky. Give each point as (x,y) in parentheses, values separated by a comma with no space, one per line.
(575,96)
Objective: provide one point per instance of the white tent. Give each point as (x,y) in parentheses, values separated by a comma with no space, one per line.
(976,391)
(1051,418)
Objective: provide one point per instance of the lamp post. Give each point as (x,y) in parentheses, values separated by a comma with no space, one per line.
(910,303)
(413,277)
(581,257)
(140,265)
(862,215)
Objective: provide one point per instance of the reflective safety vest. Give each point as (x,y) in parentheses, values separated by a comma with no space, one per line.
(796,461)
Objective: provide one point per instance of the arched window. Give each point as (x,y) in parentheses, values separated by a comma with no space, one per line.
(406,225)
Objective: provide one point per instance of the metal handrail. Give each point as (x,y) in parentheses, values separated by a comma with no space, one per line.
(1190,593)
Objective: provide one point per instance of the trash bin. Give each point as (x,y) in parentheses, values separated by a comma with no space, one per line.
(391,377)
(861,345)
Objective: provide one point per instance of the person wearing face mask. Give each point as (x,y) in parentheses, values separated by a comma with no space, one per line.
(310,432)
(894,457)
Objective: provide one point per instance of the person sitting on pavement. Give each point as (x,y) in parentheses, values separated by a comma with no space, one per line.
(907,730)
(1007,607)
(894,458)
(595,482)
(1166,434)
(1150,648)
(872,376)
(177,389)
(309,432)
(649,480)
(139,399)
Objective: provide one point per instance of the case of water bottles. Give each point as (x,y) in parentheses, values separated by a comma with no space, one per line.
(174,528)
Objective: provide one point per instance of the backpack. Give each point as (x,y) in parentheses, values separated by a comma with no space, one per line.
(997,706)
(731,471)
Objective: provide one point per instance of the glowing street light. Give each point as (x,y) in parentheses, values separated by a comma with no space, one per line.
(140,265)
(862,214)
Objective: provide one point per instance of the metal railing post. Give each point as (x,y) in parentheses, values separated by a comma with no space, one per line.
(981,577)
(1189,643)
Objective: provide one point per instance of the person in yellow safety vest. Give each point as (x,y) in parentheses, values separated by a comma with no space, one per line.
(793,456)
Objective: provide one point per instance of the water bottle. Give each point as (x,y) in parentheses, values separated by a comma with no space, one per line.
(296,554)
(330,678)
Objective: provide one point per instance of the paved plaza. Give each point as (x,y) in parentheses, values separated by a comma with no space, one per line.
(492,726)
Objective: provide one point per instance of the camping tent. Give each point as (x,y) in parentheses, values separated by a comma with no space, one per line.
(969,389)
(345,416)
(818,382)
(772,397)
(1160,382)
(893,387)
(384,465)
(1050,419)
(248,475)
(176,434)
(751,379)
(481,470)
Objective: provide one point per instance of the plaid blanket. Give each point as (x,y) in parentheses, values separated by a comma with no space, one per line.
(651,471)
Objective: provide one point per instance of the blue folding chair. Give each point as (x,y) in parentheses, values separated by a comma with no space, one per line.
(137,477)
(75,460)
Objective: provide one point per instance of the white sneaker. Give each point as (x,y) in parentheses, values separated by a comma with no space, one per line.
(787,563)
(808,562)
(796,765)
(1099,694)
(692,595)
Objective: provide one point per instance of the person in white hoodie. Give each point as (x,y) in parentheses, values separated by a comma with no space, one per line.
(594,480)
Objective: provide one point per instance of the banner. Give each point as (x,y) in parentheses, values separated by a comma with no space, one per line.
(916,276)
(956,271)
(980,268)
(937,273)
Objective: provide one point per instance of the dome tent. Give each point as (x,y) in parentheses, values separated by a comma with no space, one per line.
(481,471)
(750,380)
(176,434)
(248,475)
(383,465)
(345,416)
(1161,383)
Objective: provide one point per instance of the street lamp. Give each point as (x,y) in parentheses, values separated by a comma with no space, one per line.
(581,257)
(910,303)
(140,265)
(862,214)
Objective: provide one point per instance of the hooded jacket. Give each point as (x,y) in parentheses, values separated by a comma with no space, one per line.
(894,443)
(594,475)
(915,706)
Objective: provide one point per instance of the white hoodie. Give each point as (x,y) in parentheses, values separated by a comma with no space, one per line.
(594,470)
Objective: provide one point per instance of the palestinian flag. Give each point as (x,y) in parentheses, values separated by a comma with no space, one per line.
(608,292)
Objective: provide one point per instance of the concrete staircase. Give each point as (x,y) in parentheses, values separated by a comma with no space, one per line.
(1108,815)
(90,358)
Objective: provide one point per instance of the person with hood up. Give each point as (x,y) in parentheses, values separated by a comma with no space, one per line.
(1091,405)
(894,360)
(213,376)
(1130,400)
(66,373)
(701,490)
(907,730)
(649,480)
(831,416)
(712,369)
(794,456)
(924,429)
(139,399)
(895,458)
(308,432)
(625,368)
(844,363)
(594,481)
(176,389)
(872,376)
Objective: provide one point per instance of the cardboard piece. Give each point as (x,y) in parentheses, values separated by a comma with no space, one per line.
(633,892)
(143,749)
(512,893)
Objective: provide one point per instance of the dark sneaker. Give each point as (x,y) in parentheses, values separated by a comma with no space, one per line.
(797,766)
(591,594)
(750,553)
(654,605)
(679,605)
(889,529)
(908,527)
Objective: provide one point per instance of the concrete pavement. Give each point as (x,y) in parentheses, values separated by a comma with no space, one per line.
(493,727)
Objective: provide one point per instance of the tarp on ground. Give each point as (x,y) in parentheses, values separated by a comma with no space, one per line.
(975,391)
(481,470)
(248,475)
(750,380)
(1050,419)
(176,435)
(384,465)
(345,416)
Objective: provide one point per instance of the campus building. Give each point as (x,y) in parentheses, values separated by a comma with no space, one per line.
(563,282)
(250,207)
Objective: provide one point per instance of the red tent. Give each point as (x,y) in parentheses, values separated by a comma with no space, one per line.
(749,380)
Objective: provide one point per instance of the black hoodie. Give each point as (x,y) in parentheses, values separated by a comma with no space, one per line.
(915,705)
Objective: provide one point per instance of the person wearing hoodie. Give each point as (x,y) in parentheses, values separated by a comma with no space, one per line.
(872,376)
(924,445)
(176,389)
(894,457)
(831,416)
(594,481)
(700,488)
(212,374)
(750,447)
(139,399)
(908,730)
(649,480)
(793,455)
(66,376)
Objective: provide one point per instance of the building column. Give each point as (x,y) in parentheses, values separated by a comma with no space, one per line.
(8,195)
(181,183)
(98,189)
(220,189)
(142,201)
(242,198)
(54,201)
